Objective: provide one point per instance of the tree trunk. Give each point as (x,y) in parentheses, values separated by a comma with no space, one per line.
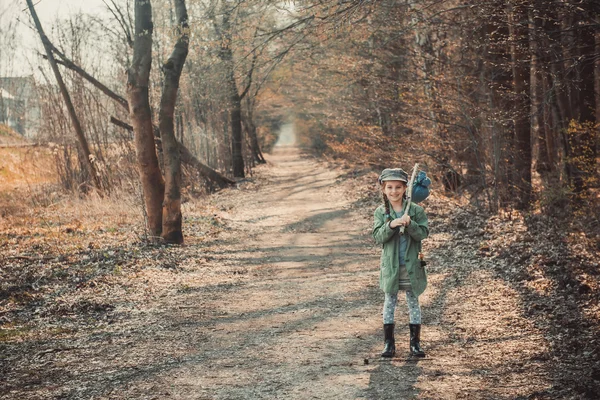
(597,81)
(171,216)
(258,155)
(522,125)
(581,140)
(235,100)
(550,125)
(83,144)
(540,155)
(424,50)
(235,115)
(597,86)
(141,117)
(558,106)
(565,112)
(568,46)
(495,78)
(251,130)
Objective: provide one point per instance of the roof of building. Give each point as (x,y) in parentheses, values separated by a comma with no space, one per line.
(5,95)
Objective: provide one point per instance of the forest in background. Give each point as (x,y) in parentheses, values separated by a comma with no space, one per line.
(498,100)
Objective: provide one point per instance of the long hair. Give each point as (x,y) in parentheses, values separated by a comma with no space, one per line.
(386,204)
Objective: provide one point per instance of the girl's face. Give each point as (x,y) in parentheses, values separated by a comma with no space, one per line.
(394,190)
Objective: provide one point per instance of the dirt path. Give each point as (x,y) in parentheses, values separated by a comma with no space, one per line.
(301,316)
(284,304)
(299,311)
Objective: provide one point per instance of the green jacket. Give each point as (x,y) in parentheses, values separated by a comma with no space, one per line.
(417,230)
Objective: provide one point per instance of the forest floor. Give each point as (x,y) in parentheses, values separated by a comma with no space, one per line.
(275,296)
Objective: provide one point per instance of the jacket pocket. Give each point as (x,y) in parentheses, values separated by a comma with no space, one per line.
(386,269)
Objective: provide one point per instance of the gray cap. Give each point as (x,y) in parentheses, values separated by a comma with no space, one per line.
(393,174)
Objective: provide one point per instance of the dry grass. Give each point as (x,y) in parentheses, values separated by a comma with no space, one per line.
(27,179)
(30,185)
(25,167)
(9,136)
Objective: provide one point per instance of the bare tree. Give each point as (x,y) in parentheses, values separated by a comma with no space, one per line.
(519,51)
(224,32)
(171,224)
(82,141)
(141,116)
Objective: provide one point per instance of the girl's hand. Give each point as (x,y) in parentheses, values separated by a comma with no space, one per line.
(402,221)
(405,219)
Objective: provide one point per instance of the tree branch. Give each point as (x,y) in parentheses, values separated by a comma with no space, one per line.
(188,158)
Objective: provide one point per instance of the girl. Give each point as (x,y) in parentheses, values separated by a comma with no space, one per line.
(400,233)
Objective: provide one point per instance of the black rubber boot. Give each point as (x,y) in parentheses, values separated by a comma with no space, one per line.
(415,341)
(390,345)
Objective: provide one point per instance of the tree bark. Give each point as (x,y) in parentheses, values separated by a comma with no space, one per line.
(81,139)
(540,154)
(495,78)
(521,112)
(550,125)
(581,140)
(248,118)
(424,50)
(251,130)
(235,100)
(141,117)
(171,217)
(235,115)
(568,46)
(597,81)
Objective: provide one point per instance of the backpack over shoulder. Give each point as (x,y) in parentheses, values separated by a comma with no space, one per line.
(420,189)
